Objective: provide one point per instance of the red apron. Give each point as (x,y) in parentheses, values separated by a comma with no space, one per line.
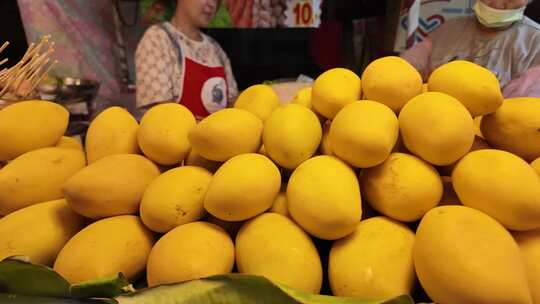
(204,88)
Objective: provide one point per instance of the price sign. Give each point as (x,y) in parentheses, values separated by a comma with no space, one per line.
(303,13)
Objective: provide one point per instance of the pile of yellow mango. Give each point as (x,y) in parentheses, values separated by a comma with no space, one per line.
(435,183)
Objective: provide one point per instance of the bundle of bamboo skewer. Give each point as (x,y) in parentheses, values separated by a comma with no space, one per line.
(19,82)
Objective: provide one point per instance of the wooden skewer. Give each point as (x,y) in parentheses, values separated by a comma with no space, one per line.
(5,45)
(38,81)
(33,66)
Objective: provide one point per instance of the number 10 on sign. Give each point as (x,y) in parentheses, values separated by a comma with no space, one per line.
(303,13)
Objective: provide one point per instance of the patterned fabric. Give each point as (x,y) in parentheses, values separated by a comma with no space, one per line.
(159,64)
(84,38)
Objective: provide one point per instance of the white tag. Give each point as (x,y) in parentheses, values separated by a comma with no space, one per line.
(303,13)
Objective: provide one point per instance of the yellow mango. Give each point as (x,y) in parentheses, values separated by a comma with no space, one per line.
(326,146)
(230,227)
(114,185)
(529,244)
(375,262)
(163,133)
(501,185)
(69,142)
(273,246)
(436,127)
(30,125)
(105,248)
(303,97)
(324,197)
(474,86)
(243,187)
(194,159)
(478,144)
(333,90)
(403,187)
(226,133)
(477,123)
(515,127)
(449,195)
(536,166)
(258,99)
(175,198)
(364,133)
(37,176)
(262,151)
(291,135)
(280,205)
(461,255)
(189,252)
(392,81)
(39,231)
(113,131)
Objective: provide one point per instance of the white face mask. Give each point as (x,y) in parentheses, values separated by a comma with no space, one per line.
(494,18)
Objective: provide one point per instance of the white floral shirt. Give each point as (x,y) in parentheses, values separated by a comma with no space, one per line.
(159,65)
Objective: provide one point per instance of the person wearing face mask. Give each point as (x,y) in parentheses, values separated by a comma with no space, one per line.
(499,37)
(175,61)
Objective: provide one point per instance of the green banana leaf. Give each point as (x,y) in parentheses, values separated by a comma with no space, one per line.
(22,278)
(18,299)
(237,289)
(108,287)
(26,279)
(23,282)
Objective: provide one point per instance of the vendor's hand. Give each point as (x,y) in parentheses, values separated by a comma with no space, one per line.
(241,12)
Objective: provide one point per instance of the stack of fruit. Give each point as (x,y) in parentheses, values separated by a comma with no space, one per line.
(404,184)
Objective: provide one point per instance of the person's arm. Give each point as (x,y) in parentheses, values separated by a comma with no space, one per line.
(154,68)
(526,85)
(419,57)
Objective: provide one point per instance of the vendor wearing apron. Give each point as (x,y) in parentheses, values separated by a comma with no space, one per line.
(175,61)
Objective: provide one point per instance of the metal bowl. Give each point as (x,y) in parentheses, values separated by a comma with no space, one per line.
(75,90)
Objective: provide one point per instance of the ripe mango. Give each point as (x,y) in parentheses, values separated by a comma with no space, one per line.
(163,133)
(436,127)
(30,125)
(113,131)
(39,231)
(403,187)
(515,127)
(291,135)
(189,252)
(114,185)
(391,81)
(333,90)
(226,133)
(375,262)
(324,197)
(37,176)
(243,187)
(105,248)
(69,142)
(474,86)
(273,246)
(364,133)
(501,185)
(461,253)
(258,99)
(529,244)
(175,198)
